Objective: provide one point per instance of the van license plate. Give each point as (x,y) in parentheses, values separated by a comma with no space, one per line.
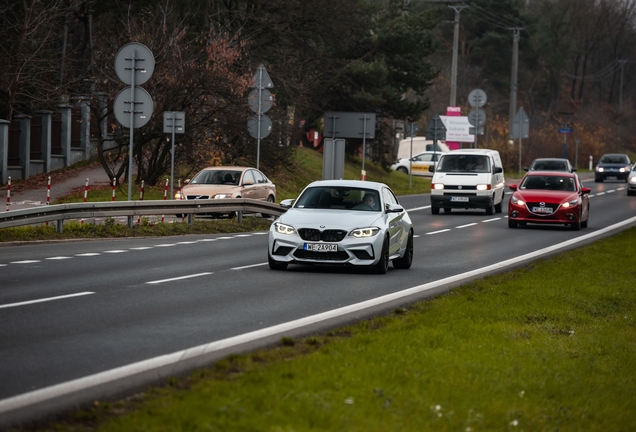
(320,247)
(459,199)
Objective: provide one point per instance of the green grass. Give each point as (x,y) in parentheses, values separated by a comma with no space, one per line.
(547,347)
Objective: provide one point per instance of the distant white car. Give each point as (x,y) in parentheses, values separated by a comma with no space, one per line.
(420,163)
(342,222)
(631,181)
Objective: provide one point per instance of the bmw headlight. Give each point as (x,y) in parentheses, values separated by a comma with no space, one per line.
(517,201)
(223,195)
(632,179)
(281,228)
(365,232)
(570,203)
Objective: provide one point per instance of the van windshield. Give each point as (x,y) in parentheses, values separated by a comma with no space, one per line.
(464,163)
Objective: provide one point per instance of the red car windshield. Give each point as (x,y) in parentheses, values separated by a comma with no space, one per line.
(558,183)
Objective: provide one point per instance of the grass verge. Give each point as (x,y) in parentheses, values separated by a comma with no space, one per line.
(550,346)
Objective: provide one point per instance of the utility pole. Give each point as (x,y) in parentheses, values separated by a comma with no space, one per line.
(620,89)
(453,92)
(513,78)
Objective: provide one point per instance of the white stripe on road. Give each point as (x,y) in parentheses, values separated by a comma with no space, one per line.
(248,266)
(59,258)
(88,254)
(58,390)
(45,299)
(418,208)
(467,225)
(437,232)
(141,248)
(491,220)
(115,251)
(25,262)
(179,278)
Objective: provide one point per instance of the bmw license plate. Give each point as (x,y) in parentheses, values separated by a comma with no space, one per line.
(546,210)
(321,247)
(459,199)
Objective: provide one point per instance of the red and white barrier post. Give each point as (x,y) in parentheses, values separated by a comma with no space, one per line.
(114,183)
(165,196)
(181,197)
(8,193)
(48,194)
(85,196)
(141,198)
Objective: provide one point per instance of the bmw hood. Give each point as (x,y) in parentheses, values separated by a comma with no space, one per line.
(330,219)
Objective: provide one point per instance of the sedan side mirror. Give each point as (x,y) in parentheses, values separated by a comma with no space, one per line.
(287,203)
(393,208)
(586,190)
(513,187)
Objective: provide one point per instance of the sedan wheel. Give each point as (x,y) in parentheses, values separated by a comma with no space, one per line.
(407,260)
(270,199)
(434,210)
(512,224)
(402,169)
(383,265)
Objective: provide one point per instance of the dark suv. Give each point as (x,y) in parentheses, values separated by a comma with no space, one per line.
(612,165)
(551,164)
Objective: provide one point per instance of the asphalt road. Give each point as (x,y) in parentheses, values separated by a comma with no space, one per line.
(89,319)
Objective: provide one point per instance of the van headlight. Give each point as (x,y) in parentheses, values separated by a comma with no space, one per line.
(483,187)
(438,186)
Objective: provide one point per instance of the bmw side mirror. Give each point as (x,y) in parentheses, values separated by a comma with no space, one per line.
(287,203)
(393,208)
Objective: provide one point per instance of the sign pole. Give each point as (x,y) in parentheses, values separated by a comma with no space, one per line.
(519,152)
(260,114)
(174,126)
(132,124)
(565,138)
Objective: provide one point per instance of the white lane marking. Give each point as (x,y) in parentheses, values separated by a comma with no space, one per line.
(59,258)
(491,220)
(600,193)
(187,242)
(141,248)
(225,238)
(166,245)
(591,195)
(179,278)
(87,254)
(243,235)
(25,262)
(620,188)
(206,240)
(416,235)
(261,233)
(115,251)
(248,266)
(437,232)
(3,265)
(467,225)
(611,191)
(418,208)
(8,305)
(79,384)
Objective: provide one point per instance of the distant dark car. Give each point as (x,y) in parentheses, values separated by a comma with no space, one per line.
(612,165)
(549,197)
(551,164)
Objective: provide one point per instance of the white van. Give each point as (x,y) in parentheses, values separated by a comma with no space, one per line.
(468,178)
(420,145)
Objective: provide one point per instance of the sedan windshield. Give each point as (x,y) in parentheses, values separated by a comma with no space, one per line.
(549,183)
(217,177)
(614,159)
(339,198)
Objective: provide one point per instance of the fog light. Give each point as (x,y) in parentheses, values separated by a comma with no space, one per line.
(514,214)
(570,216)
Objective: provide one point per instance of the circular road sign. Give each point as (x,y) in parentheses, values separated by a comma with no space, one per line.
(144,63)
(477,98)
(477,117)
(267,100)
(143,107)
(266,126)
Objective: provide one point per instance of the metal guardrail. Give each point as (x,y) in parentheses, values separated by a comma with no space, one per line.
(61,212)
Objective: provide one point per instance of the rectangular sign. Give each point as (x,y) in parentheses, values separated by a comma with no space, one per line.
(349,125)
(174,119)
(457,129)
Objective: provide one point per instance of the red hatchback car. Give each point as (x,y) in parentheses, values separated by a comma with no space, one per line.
(549,197)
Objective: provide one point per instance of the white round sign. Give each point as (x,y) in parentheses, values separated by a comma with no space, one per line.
(144,63)
(477,98)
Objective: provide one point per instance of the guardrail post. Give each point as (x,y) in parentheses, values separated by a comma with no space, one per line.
(239,216)
(190,218)
(4,150)
(60,226)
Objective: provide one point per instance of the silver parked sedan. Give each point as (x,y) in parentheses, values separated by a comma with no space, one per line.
(346,222)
